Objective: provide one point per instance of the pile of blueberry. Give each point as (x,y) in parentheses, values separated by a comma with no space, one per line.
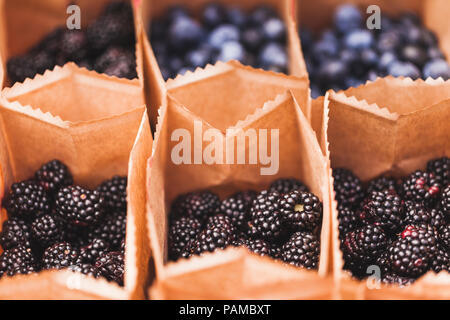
(182,42)
(350,54)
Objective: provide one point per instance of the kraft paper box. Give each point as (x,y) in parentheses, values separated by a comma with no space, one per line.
(155,87)
(98,126)
(391,126)
(234,273)
(26,22)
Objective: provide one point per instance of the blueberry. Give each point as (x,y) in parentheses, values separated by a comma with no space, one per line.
(405,69)
(231,50)
(165,71)
(332,72)
(437,68)
(182,71)
(185,33)
(273,55)
(414,54)
(352,82)
(306,38)
(199,57)
(347,17)
(157,30)
(323,50)
(261,14)
(236,17)
(252,38)
(372,75)
(359,39)
(369,58)
(435,53)
(330,36)
(213,15)
(385,60)
(315,91)
(175,12)
(388,41)
(222,34)
(409,19)
(419,36)
(348,56)
(274,30)
(175,64)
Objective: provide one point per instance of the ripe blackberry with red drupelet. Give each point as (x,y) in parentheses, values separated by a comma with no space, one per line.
(283,226)
(54,224)
(406,225)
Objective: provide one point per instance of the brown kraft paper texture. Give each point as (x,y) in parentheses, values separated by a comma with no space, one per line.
(98,126)
(392,126)
(234,273)
(155,88)
(28,21)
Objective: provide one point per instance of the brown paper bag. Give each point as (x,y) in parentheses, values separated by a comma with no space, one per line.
(152,8)
(234,273)
(28,21)
(98,126)
(394,126)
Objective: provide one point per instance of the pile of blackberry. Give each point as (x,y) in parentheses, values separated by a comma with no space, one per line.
(106,46)
(400,225)
(182,42)
(54,224)
(282,222)
(349,54)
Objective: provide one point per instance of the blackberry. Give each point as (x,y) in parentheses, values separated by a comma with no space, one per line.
(422,187)
(122,68)
(444,236)
(302,250)
(26,200)
(445,202)
(220,220)
(212,238)
(416,213)
(86,269)
(111,266)
(74,45)
(395,279)
(111,229)
(412,254)
(348,221)
(122,246)
(47,230)
(41,61)
(114,193)
(247,196)
(51,42)
(59,256)
(111,55)
(15,232)
(200,205)
(111,29)
(237,209)
(383,209)
(347,187)
(259,247)
(365,244)
(265,215)
(381,184)
(301,210)
(76,235)
(440,168)
(53,175)
(79,206)
(20,68)
(181,233)
(89,253)
(286,185)
(18,260)
(442,261)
